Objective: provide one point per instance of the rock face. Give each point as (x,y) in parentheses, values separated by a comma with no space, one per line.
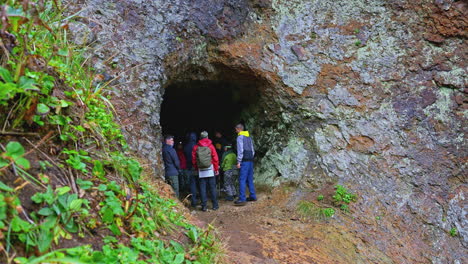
(370,94)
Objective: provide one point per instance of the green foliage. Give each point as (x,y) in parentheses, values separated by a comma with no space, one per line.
(358,43)
(57,217)
(453,232)
(311,210)
(111,212)
(76,159)
(343,197)
(320,197)
(127,167)
(44,82)
(14,155)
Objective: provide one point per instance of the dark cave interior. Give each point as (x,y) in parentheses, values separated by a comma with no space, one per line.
(211,105)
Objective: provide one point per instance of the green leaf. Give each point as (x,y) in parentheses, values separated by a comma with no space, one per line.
(85,185)
(5,187)
(179,258)
(108,215)
(7,91)
(42,109)
(3,162)
(5,75)
(115,229)
(19,225)
(193,234)
(177,246)
(26,83)
(37,120)
(71,226)
(75,205)
(44,240)
(64,103)
(63,190)
(14,149)
(50,221)
(45,211)
(24,163)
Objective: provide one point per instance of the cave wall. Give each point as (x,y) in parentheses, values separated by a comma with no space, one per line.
(370,94)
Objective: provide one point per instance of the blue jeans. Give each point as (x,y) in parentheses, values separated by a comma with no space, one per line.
(246,178)
(211,182)
(194,185)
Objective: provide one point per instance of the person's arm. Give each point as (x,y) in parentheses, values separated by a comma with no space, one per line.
(194,157)
(224,161)
(240,150)
(175,159)
(253,149)
(214,158)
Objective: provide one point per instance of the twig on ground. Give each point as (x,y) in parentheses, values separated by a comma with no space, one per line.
(13,133)
(52,161)
(8,116)
(72,180)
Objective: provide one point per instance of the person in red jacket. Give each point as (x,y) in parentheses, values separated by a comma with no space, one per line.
(183,175)
(205,160)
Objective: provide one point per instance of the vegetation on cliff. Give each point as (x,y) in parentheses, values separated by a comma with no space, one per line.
(70,190)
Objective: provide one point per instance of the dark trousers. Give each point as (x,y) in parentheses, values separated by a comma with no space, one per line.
(209,182)
(194,186)
(173,180)
(246,178)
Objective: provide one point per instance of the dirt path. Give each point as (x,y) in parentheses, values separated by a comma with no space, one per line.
(269,231)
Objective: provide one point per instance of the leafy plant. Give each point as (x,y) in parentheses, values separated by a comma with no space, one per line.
(320,197)
(42,77)
(76,158)
(58,213)
(343,197)
(310,210)
(453,232)
(14,155)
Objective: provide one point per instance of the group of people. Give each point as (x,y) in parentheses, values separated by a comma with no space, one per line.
(202,165)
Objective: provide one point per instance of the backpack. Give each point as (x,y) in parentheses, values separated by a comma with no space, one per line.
(203,157)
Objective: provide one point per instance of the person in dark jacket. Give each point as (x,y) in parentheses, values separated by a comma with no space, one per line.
(184,180)
(219,142)
(207,175)
(245,157)
(171,163)
(194,182)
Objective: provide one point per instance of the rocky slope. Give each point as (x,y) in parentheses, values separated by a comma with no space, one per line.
(370,94)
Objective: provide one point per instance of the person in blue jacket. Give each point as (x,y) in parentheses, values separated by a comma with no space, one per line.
(171,163)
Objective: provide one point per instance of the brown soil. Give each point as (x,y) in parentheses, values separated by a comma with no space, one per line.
(270,231)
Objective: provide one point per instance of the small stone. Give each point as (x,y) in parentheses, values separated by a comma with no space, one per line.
(433,38)
(300,52)
(81,33)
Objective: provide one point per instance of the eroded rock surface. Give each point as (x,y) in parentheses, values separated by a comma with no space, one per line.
(370,94)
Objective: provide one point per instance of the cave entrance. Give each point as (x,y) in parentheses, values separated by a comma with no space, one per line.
(211,105)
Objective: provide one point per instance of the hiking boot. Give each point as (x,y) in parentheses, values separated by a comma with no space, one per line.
(194,205)
(215,208)
(250,199)
(204,208)
(229,198)
(240,203)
